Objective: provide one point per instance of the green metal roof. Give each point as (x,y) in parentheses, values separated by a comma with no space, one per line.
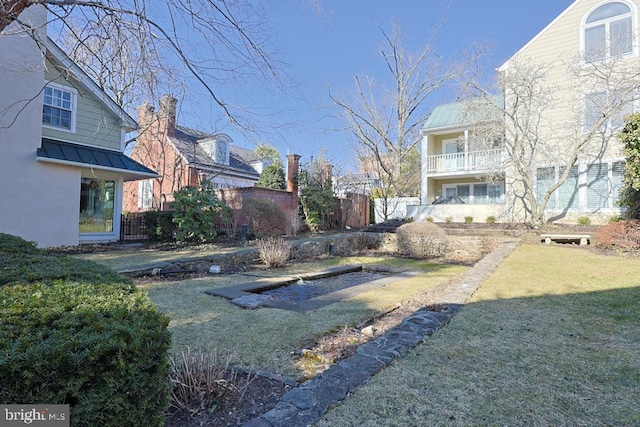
(83,156)
(455,114)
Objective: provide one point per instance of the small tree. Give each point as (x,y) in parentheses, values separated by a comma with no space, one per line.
(272,177)
(630,137)
(316,194)
(196,210)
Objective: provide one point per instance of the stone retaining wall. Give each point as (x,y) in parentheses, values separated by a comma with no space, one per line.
(462,247)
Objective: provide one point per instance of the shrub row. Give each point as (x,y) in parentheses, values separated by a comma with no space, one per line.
(73,332)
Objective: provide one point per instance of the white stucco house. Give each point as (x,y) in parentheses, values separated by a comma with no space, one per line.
(587,62)
(61,144)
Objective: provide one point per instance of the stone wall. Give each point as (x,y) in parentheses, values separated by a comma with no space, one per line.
(463,248)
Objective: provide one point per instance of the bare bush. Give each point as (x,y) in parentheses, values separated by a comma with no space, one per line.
(365,241)
(294,222)
(421,240)
(201,381)
(621,235)
(274,251)
(265,216)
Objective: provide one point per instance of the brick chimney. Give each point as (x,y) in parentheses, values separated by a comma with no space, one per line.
(293,161)
(145,115)
(167,114)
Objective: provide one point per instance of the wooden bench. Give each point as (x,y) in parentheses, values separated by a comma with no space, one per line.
(583,239)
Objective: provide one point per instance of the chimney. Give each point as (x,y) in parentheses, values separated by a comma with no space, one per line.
(145,115)
(292,173)
(167,113)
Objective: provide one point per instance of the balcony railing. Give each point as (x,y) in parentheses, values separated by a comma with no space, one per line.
(482,160)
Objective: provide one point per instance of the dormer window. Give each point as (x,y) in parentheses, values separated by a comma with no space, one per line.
(217,148)
(222,152)
(59,106)
(608,32)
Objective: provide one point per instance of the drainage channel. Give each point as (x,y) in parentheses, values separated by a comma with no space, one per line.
(311,290)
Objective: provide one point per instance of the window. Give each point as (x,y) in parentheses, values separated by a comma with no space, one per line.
(589,188)
(96,205)
(58,109)
(567,197)
(608,110)
(222,152)
(145,194)
(608,32)
(475,193)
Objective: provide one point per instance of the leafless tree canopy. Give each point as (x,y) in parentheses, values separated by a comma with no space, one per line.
(134,47)
(385,120)
(544,122)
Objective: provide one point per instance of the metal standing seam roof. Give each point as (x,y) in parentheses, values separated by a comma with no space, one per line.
(66,152)
(456,113)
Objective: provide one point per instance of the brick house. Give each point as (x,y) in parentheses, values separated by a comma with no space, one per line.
(183,157)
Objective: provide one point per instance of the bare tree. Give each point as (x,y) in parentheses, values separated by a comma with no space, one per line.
(385,121)
(213,42)
(543,123)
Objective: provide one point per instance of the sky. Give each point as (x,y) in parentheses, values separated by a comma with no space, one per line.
(327,48)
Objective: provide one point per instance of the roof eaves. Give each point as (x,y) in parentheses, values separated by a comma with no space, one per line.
(59,55)
(505,65)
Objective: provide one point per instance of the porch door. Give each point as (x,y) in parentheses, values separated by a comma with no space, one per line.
(450,151)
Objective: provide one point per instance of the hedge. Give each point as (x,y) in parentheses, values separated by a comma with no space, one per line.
(87,338)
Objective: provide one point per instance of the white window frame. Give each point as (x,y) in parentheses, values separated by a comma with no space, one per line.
(583,189)
(610,125)
(471,186)
(607,24)
(74,107)
(145,194)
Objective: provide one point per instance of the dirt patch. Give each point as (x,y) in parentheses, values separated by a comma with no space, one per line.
(330,349)
(261,394)
(258,395)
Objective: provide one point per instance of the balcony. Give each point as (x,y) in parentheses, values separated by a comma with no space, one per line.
(465,162)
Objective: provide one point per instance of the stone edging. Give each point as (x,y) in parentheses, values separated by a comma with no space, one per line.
(307,403)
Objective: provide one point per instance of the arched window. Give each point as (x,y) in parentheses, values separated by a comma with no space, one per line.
(608,32)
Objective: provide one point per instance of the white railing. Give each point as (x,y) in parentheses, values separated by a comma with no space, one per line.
(466,161)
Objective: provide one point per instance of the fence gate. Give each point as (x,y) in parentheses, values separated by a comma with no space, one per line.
(133,227)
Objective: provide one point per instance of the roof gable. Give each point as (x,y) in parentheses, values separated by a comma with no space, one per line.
(57,55)
(540,34)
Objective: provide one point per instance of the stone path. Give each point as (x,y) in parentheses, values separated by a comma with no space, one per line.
(307,403)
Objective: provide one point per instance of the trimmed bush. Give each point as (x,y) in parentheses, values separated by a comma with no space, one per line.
(621,235)
(468,219)
(421,240)
(491,219)
(265,216)
(15,245)
(160,226)
(73,332)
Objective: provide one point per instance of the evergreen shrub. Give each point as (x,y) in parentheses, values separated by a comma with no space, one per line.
(73,332)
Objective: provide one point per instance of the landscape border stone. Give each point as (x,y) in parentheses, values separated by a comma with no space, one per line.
(307,403)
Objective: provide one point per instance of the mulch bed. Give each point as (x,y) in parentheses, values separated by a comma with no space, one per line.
(258,395)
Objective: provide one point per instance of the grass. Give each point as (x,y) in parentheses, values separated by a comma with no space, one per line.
(552,338)
(123,260)
(266,338)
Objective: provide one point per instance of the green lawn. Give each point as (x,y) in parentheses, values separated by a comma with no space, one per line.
(552,338)
(265,338)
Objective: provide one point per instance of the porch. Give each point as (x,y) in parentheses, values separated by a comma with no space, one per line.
(465,161)
(455,212)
